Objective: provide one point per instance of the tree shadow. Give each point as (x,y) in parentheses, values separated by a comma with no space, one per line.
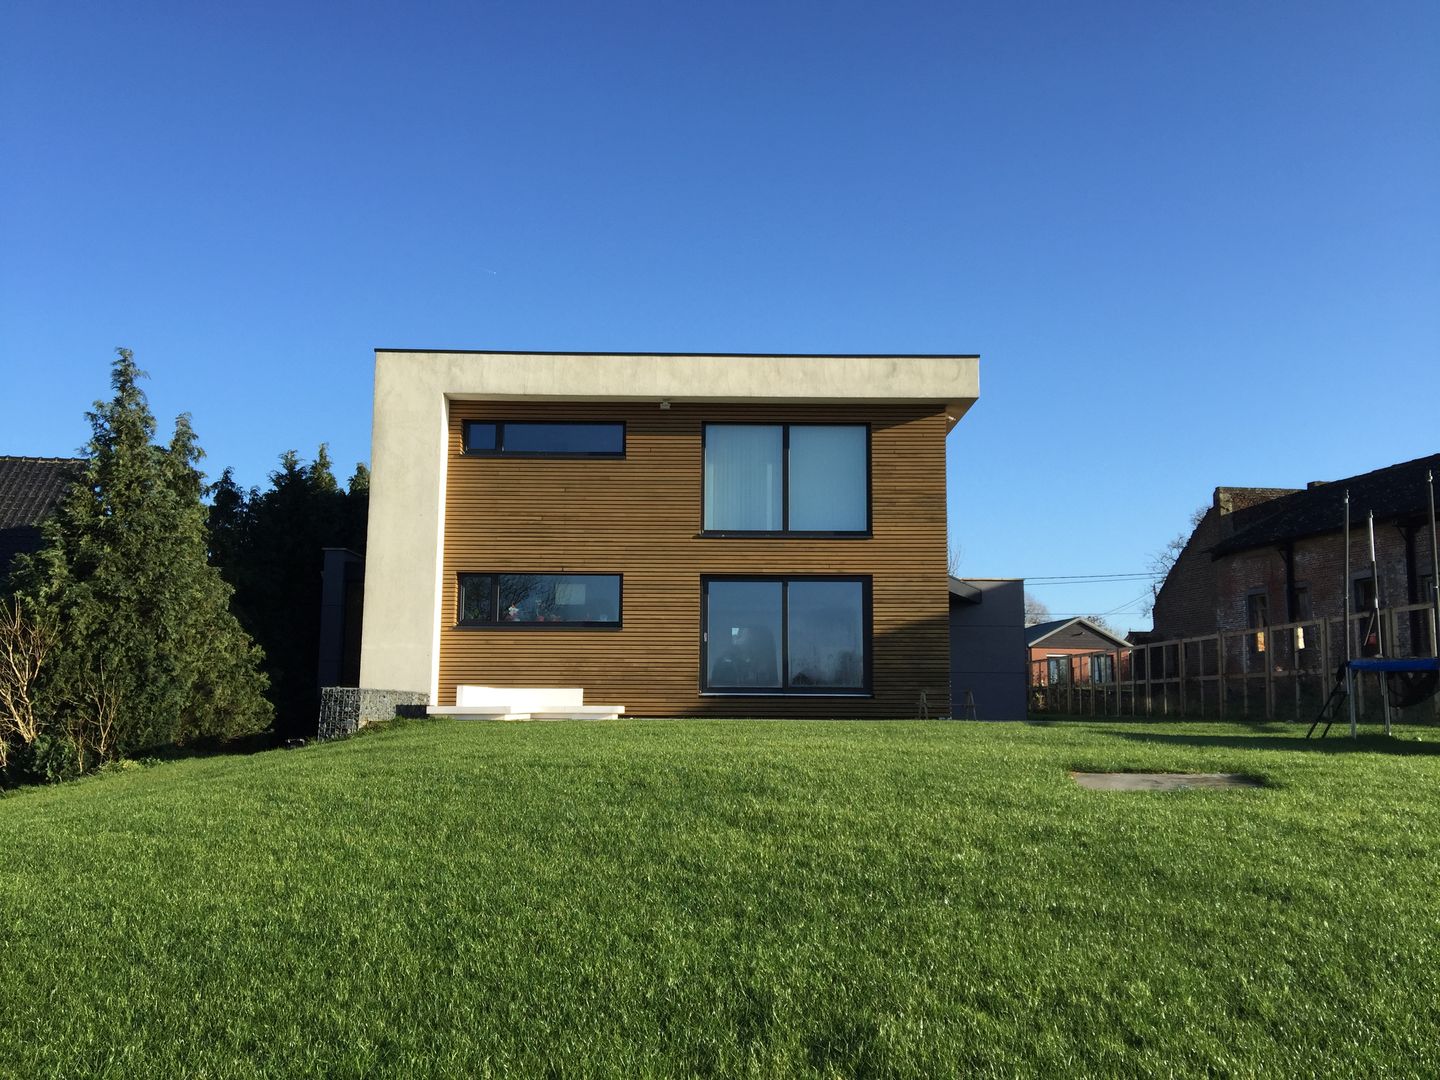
(207,747)
(1335,743)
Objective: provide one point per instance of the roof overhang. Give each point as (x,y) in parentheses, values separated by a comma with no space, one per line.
(951,381)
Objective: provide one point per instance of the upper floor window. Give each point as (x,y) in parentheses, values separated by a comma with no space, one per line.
(787,478)
(535,438)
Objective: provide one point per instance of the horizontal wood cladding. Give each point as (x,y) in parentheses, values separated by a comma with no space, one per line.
(640,517)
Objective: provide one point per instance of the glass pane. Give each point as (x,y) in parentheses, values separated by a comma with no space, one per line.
(479,436)
(560,598)
(552,438)
(742,627)
(827,634)
(742,477)
(827,479)
(477,598)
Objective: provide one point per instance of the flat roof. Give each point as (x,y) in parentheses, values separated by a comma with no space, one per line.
(849,378)
(782,356)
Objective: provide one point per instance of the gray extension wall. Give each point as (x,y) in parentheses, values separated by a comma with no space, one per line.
(987,650)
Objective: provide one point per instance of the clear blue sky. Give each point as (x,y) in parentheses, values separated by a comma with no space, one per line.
(1194,244)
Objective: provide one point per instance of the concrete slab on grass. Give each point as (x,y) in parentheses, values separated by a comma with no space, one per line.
(1162,781)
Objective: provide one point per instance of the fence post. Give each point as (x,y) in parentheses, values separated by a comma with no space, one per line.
(1245,682)
(1269,674)
(1181,658)
(1149,679)
(1115,679)
(1220,674)
(1326,675)
(1295,652)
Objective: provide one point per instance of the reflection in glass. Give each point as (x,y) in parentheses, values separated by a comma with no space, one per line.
(742,629)
(591,599)
(477,598)
(479,436)
(826,641)
(553,438)
(828,479)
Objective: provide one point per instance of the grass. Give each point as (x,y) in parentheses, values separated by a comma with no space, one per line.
(732,898)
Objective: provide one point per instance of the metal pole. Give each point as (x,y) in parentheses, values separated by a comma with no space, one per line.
(1434,570)
(1349,675)
(1375,618)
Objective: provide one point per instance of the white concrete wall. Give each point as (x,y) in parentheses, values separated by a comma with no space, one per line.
(400,646)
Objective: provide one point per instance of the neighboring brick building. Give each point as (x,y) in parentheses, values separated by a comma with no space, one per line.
(30,488)
(1266,556)
(1052,647)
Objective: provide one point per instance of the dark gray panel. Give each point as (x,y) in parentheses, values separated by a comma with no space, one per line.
(987,650)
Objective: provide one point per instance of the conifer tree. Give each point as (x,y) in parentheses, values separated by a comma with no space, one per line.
(270,546)
(149,643)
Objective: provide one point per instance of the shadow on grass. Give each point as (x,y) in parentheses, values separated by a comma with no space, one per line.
(1333,744)
(211,747)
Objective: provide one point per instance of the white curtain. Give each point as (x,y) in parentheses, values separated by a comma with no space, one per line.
(742,477)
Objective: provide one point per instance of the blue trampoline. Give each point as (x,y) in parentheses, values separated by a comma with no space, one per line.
(1409,680)
(1416,663)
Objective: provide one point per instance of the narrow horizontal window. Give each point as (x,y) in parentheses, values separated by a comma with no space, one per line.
(785,635)
(810,479)
(514,600)
(532,438)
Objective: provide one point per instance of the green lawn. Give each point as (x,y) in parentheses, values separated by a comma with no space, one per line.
(730,898)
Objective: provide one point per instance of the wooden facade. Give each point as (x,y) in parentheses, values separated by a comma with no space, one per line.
(640,517)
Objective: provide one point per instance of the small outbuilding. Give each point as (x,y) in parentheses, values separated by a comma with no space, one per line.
(1073,650)
(987,648)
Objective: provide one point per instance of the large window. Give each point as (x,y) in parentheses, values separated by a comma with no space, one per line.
(539,600)
(790,635)
(787,478)
(527,438)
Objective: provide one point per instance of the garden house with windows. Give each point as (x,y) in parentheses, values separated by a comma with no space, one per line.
(688,535)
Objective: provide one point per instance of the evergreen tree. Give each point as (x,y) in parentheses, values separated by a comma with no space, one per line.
(270,546)
(150,646)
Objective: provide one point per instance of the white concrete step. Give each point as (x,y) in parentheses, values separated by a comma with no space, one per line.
(580,712)
(476,712)
(522,698)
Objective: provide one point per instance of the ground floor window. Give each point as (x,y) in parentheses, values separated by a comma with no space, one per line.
(785,635)
(495,599)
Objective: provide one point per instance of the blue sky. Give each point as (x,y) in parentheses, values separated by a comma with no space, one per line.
(1194,244)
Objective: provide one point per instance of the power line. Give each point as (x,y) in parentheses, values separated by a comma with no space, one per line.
(1085,581)
(1134,575)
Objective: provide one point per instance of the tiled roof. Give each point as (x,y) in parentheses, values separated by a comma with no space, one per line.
(1392,493)
(29,490)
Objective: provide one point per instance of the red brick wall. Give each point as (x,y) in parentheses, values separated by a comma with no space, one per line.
(1201,594)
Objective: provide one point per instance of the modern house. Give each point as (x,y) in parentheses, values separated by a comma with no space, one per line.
(1073,650)
(683,535)
(1263,557)
(30,489)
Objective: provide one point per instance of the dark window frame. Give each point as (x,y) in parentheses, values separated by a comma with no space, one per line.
(461,623)
(1258,638)
(867,628)
(785,532)
(501,452)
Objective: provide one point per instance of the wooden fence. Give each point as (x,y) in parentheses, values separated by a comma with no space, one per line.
(1281,672)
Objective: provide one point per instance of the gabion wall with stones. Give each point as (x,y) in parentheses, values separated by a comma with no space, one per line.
(344,710)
